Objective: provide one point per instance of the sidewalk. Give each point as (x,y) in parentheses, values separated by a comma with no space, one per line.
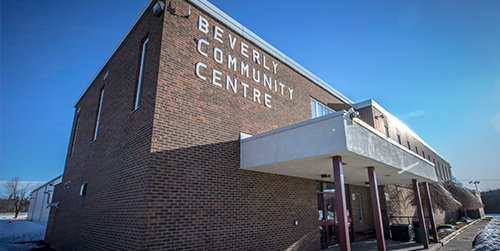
(371,245)
(463,241)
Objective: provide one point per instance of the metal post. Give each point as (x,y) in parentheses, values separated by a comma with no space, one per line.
(377,215)
(431,213)
(340,201)
(420,212)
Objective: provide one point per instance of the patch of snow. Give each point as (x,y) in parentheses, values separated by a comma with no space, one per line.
(10,216)
(489,238)
(14,231)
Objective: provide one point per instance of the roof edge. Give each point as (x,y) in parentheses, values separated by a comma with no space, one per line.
(143,10)
(52,180)
(371,102)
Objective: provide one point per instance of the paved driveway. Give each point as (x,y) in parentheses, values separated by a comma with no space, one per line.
(463,242)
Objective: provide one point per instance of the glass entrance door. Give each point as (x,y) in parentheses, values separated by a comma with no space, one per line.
(327,215)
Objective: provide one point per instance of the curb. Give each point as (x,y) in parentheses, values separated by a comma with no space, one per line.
(450,237)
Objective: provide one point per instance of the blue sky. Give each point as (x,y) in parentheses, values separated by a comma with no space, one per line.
(435,65)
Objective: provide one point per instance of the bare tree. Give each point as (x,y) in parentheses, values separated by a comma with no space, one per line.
(18,194)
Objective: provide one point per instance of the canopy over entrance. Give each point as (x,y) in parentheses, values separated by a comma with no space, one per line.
(306,149)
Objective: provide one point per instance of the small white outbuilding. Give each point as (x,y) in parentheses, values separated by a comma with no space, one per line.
(41,197)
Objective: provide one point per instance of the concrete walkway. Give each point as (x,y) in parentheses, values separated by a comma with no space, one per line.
(463,241)
(371,245)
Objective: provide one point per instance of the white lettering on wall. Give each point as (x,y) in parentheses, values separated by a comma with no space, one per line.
(282,86)
(256,79)
(229,82)
(244,69)
(245,86)
(267,100)
(218,54)
(198,65)
(202,41)
(232,41)
(268,81)
(218,34)
(264,62)
(231,62)
(254,62)
(256,95)
(275,65)
(216,77)
(256,56)
(244,49)
(203,24)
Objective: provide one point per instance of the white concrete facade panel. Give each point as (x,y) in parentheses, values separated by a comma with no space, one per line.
(305,150)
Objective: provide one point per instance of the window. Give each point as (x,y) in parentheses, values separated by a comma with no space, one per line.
(439,170)
(141,76)
(72,149)
(423,154)
(387,132)
(399,139)
(416,150)
(409,147)
(360,208)
(429,157)
(318,109)
(83,189)
(98,114)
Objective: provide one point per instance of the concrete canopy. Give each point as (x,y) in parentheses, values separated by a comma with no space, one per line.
(306,149)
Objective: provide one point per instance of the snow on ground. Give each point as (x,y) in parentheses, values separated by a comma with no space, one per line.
(21,216)
(14,231)
(489,238)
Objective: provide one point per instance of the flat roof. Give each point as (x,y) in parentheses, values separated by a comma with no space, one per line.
(372,102)
(144,8)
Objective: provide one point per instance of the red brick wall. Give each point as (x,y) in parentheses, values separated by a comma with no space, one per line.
(110,216)
(200,198)
(167,175)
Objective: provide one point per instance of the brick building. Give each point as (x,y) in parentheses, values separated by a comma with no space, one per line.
(196,134)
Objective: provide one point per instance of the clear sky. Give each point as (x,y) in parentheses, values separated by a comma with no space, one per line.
(433,64)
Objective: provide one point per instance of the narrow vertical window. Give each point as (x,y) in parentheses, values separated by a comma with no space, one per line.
(423,154)
(360,208)
(313,109)
(73,140)
(399,139)
(387,132)
(98,114)
(83,189)
(409,147)
(416,150)
(439,170)
(141,75)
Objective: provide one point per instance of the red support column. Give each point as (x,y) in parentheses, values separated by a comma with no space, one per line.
(420,212)
(377,212)
(431,213)
(340,203)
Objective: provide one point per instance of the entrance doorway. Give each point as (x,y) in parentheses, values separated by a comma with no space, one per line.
(327,213)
